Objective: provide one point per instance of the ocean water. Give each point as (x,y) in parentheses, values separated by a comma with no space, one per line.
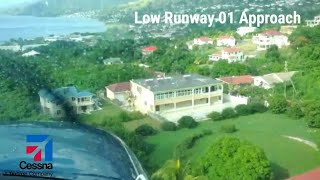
(27,27)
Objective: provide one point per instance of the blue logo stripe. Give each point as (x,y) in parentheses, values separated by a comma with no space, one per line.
(48,151)
(36,138)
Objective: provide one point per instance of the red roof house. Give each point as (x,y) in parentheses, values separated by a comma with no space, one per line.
(232,50)
(311,175)
(237,80)
(119,87)
(271,32)
(149,49)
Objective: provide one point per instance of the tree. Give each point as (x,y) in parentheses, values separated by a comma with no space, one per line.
(278,104)
(312,112)
(228,113)
(145,130)
(187,122)
(273,53)
(229,158)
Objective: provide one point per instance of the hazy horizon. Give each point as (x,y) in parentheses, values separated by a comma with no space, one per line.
(5,4)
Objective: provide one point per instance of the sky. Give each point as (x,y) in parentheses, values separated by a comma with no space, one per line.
(10,3)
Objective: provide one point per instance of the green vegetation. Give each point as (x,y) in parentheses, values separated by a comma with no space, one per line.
(145,130)
(229,158)
(264,130)
(228,128)
(187,122)
(168,126)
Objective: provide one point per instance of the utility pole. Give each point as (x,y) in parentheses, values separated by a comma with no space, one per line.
(285,83)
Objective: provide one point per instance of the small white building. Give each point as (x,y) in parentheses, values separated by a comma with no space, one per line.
(268,81)
(242,31)
(268,38)
(199,42)
(31,54)
(232,54)
(119,91)
(314,22)
(228,41)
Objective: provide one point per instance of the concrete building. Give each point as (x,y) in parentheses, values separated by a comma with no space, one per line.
(54,102)
(227,41)
(242,31)
(270,37)
(200,41)
(119,91)
(314,22)
(231,54)
(175,93)
(148,50)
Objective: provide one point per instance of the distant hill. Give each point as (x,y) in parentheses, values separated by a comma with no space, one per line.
(63,7)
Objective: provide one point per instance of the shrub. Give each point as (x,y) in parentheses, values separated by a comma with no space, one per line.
(215,116)
(257,108)
(312,112)
(136,115)
(187,122)
(168,126)
(243,110)
(294,111)
(124,117)
(207,132)
(145,130)
(278,104)
(228,128)
(228,113)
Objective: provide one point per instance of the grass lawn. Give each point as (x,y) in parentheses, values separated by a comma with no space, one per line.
(132,125)
(108,110)
(266,130)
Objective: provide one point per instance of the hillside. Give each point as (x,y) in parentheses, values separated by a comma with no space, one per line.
(62,7)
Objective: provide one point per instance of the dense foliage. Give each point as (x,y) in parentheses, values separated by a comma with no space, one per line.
(168,126)
(230,158)
(145,130)
(187,122)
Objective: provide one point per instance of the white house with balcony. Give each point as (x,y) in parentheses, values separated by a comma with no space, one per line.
(268,38)
(56,102)
(232,54)
(228,41)
(175,94)
(242,31)
(314,22)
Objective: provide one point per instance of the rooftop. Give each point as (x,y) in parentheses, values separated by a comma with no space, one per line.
(311,175)
(119,87)
(232,49)
(175,82)
(225,37)
(150,48)
(204,38)
(271,32)
(246,79)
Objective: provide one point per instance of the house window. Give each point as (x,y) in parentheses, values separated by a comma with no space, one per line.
(145,103)
(205,89)
(73,98)
(197,91)
(219,97)
(213,88)
(58,112)
(157,108)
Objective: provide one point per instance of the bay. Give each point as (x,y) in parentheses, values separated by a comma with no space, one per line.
(29,27)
